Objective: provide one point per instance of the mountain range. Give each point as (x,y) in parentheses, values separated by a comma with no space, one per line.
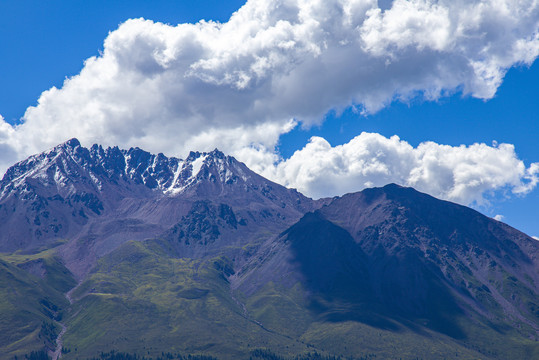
(104,249)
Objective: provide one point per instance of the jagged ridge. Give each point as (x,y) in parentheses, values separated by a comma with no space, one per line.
(69,162)
(106,196)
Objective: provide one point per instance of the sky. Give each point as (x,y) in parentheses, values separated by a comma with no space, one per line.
(328,97)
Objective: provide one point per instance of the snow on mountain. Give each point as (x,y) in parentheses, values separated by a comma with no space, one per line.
(89,201)
(69,165)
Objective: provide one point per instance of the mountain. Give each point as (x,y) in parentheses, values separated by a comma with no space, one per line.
(121,250)
(394,258)
(87,202)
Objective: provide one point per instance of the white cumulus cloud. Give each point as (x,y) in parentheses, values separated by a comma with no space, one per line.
(464,174)
(240,85)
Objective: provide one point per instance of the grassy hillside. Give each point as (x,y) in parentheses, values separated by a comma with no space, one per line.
(31,302)
(329,327)
(141,300)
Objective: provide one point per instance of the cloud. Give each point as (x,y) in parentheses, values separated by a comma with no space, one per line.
(464,174)
(8,154)
(499,217)
(240,85)
(172,88)
(536,238)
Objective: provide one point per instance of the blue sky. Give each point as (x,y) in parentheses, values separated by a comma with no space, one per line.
(43,43)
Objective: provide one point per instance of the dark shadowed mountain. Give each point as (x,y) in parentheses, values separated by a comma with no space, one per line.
(203,256)
(393,253)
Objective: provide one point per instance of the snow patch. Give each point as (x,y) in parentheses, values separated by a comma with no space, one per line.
(171,189)
(197,165)
(228,175)
(96,181)
(240,171)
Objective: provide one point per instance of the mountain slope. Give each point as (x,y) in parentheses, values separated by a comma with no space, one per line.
(31,302)
(480,258)
(181,305)
(395,259)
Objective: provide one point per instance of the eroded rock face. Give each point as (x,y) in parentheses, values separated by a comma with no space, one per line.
(201,225)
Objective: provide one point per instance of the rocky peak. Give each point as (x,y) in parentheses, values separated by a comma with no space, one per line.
(70,163)
(203,169)
(57,168)
(153,171)
(70,169)
(71,144)
(70,192)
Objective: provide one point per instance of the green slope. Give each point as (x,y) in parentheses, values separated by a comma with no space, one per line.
(395,338)
(141,300)
(31,305)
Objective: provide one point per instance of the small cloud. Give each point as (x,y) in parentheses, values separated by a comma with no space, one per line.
(536,238)
(499,217)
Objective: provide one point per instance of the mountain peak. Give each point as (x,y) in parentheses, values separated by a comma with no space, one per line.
(56,193)
(393,186)
(70,168)
(47,165)
(216,153)
(70,146)
(72,143)
(193,155)
(211,170)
